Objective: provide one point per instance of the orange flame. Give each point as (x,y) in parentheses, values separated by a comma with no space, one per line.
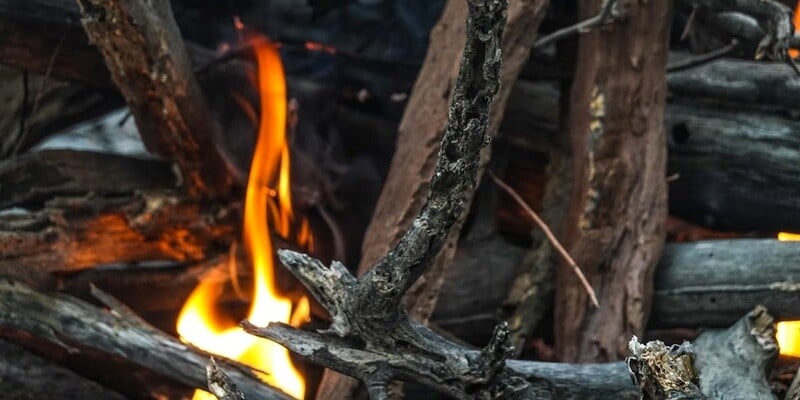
(788,332)
(198,322)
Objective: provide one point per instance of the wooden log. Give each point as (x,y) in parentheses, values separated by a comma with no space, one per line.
(35,177)
(737,163)
(81,232)
(614,226)
(26,376)
(67,326)
(702,284)
(148,62)
(45,36)
(708,283)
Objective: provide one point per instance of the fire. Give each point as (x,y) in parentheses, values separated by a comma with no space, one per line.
(788,332)
(199,322)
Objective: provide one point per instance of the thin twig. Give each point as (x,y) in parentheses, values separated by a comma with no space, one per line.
(689,23)
(583,26)
(517,198)
(699,59)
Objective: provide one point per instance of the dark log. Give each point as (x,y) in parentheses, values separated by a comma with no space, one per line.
(614,226)
(25,376)
(737,169)
(68,327)
(148,61)
(43,107)
(709,283)
(81,232)
(35,177)
(701,284)
(45,36)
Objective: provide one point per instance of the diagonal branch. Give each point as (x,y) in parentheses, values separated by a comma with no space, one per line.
(387,344)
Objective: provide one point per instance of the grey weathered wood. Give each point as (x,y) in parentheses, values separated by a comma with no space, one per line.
(26,376)
(73,325)
(710,283)
(700,284)
(148,61)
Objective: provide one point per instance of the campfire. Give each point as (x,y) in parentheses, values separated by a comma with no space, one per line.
(345,200)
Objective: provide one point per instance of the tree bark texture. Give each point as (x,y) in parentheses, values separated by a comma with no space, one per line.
(615,223)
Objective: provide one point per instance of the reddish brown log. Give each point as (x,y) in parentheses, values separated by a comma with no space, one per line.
(148,61)
(615,221)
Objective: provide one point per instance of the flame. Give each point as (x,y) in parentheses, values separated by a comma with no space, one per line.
(788,332)
(199,322)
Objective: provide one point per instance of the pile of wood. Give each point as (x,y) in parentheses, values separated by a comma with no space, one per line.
(100,251)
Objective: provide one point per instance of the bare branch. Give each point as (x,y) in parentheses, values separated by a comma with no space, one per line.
(700,59)
(550,236)
(607,15)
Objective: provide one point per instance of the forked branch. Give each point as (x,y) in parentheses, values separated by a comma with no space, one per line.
(369,309)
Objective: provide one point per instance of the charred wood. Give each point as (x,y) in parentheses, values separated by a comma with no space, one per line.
(69,327)
(26,376)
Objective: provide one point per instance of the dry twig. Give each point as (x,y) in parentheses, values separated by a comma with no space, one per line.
(550,236)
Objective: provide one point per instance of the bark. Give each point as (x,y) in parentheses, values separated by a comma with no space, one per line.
(729,133)
(67,326)
(420,131)
(709,283)
(702,284)
(36,177)
(148,62)
(73,233)
(45,36)
(369,308)
(615,223)
(25,376)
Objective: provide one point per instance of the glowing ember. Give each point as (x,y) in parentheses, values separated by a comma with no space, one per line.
(788,332)
(796,19)
(199,322)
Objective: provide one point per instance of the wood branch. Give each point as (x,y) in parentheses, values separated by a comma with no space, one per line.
(221,385)
(421,129)
(70,327)
(370,308)
(144,51)
(614,227)
(709,283)
(80,232)
(25,376)
(35,177)
(701,284)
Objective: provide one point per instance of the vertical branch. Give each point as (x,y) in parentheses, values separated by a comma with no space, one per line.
(614,225)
